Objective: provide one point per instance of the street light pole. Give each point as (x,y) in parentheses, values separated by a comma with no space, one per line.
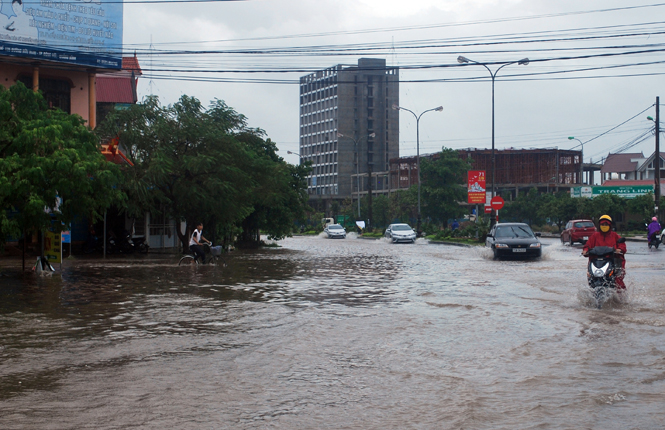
(355,148)
(581,159)
(522,62)
(436,109)
(293,153)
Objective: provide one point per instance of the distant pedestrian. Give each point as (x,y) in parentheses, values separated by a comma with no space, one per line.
(454,225)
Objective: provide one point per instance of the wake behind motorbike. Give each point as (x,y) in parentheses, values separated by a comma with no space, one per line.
(602,272)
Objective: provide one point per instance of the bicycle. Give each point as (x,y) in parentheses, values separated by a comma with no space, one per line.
(213,257)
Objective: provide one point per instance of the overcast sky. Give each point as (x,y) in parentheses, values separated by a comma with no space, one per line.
(537,106)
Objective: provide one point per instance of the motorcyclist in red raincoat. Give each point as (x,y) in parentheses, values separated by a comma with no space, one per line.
(607,237)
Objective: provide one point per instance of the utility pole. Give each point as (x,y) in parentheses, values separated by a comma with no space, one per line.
(369,188)
(657,157)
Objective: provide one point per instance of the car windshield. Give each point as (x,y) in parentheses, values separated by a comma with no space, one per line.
(335,227)
(584,224)
(401,227)
(514,231)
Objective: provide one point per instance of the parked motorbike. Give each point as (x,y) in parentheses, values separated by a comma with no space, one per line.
(602,272)
(125,245)
(95,244)
(140,244)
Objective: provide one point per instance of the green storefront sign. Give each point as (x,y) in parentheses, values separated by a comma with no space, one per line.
(628,191)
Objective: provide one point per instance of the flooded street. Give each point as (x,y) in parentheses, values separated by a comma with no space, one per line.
(337,334)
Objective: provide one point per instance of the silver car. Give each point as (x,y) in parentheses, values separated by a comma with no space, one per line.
(401,233)
(335,231)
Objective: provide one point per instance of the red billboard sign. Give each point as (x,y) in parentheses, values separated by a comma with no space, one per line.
(476,187)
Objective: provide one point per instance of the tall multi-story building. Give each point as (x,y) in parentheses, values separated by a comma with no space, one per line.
(348,127)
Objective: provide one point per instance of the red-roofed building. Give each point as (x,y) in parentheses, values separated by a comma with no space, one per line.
(622,167)
(116,90)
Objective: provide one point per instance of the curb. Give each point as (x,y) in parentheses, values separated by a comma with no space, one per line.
(441,242)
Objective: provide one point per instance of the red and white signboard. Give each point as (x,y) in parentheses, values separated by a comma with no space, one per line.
(476,187)
(488,209)
(497,203)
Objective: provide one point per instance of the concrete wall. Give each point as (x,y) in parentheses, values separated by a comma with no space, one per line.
(9,74)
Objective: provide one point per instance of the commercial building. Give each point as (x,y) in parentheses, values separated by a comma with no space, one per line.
(58,48)
(548,169)
(348,126)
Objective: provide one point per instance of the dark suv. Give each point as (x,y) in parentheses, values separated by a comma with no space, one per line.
(578,230)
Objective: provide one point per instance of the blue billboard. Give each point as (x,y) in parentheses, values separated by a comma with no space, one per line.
(83,32)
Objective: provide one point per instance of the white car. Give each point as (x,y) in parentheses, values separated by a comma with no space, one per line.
(401,233)
(335,231)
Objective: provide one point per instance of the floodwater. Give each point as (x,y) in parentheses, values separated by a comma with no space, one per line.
(343,334)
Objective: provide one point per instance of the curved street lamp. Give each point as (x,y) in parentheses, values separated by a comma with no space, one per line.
(436,109)
(355,146)
(293,153)
(581,158)
(522,62)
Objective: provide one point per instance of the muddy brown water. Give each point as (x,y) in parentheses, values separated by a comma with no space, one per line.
(340,334)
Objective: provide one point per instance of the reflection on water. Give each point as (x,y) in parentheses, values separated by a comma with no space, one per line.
(351,333)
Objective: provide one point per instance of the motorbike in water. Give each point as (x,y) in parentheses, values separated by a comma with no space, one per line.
(654,241)
(602,272)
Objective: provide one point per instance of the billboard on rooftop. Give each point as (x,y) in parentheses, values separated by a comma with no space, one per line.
(87,33)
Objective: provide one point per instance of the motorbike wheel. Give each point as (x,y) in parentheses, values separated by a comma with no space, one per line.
(599,295)
(143,248)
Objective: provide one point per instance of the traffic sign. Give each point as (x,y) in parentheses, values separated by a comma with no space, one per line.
(497,203)
(488,209)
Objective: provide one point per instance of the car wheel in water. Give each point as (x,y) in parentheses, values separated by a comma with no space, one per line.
(570,241)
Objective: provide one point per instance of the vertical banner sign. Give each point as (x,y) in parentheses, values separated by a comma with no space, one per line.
(53,247)
(476,187)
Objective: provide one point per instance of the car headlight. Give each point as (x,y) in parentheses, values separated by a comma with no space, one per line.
(534,245)
(501,245)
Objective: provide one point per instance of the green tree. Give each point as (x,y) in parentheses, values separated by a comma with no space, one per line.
(525,208)
(196,164)
(559,207)
(381,211)
(46,155)
(441,185)
(604,204)
(188,162)
(278,195)
(642,206)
